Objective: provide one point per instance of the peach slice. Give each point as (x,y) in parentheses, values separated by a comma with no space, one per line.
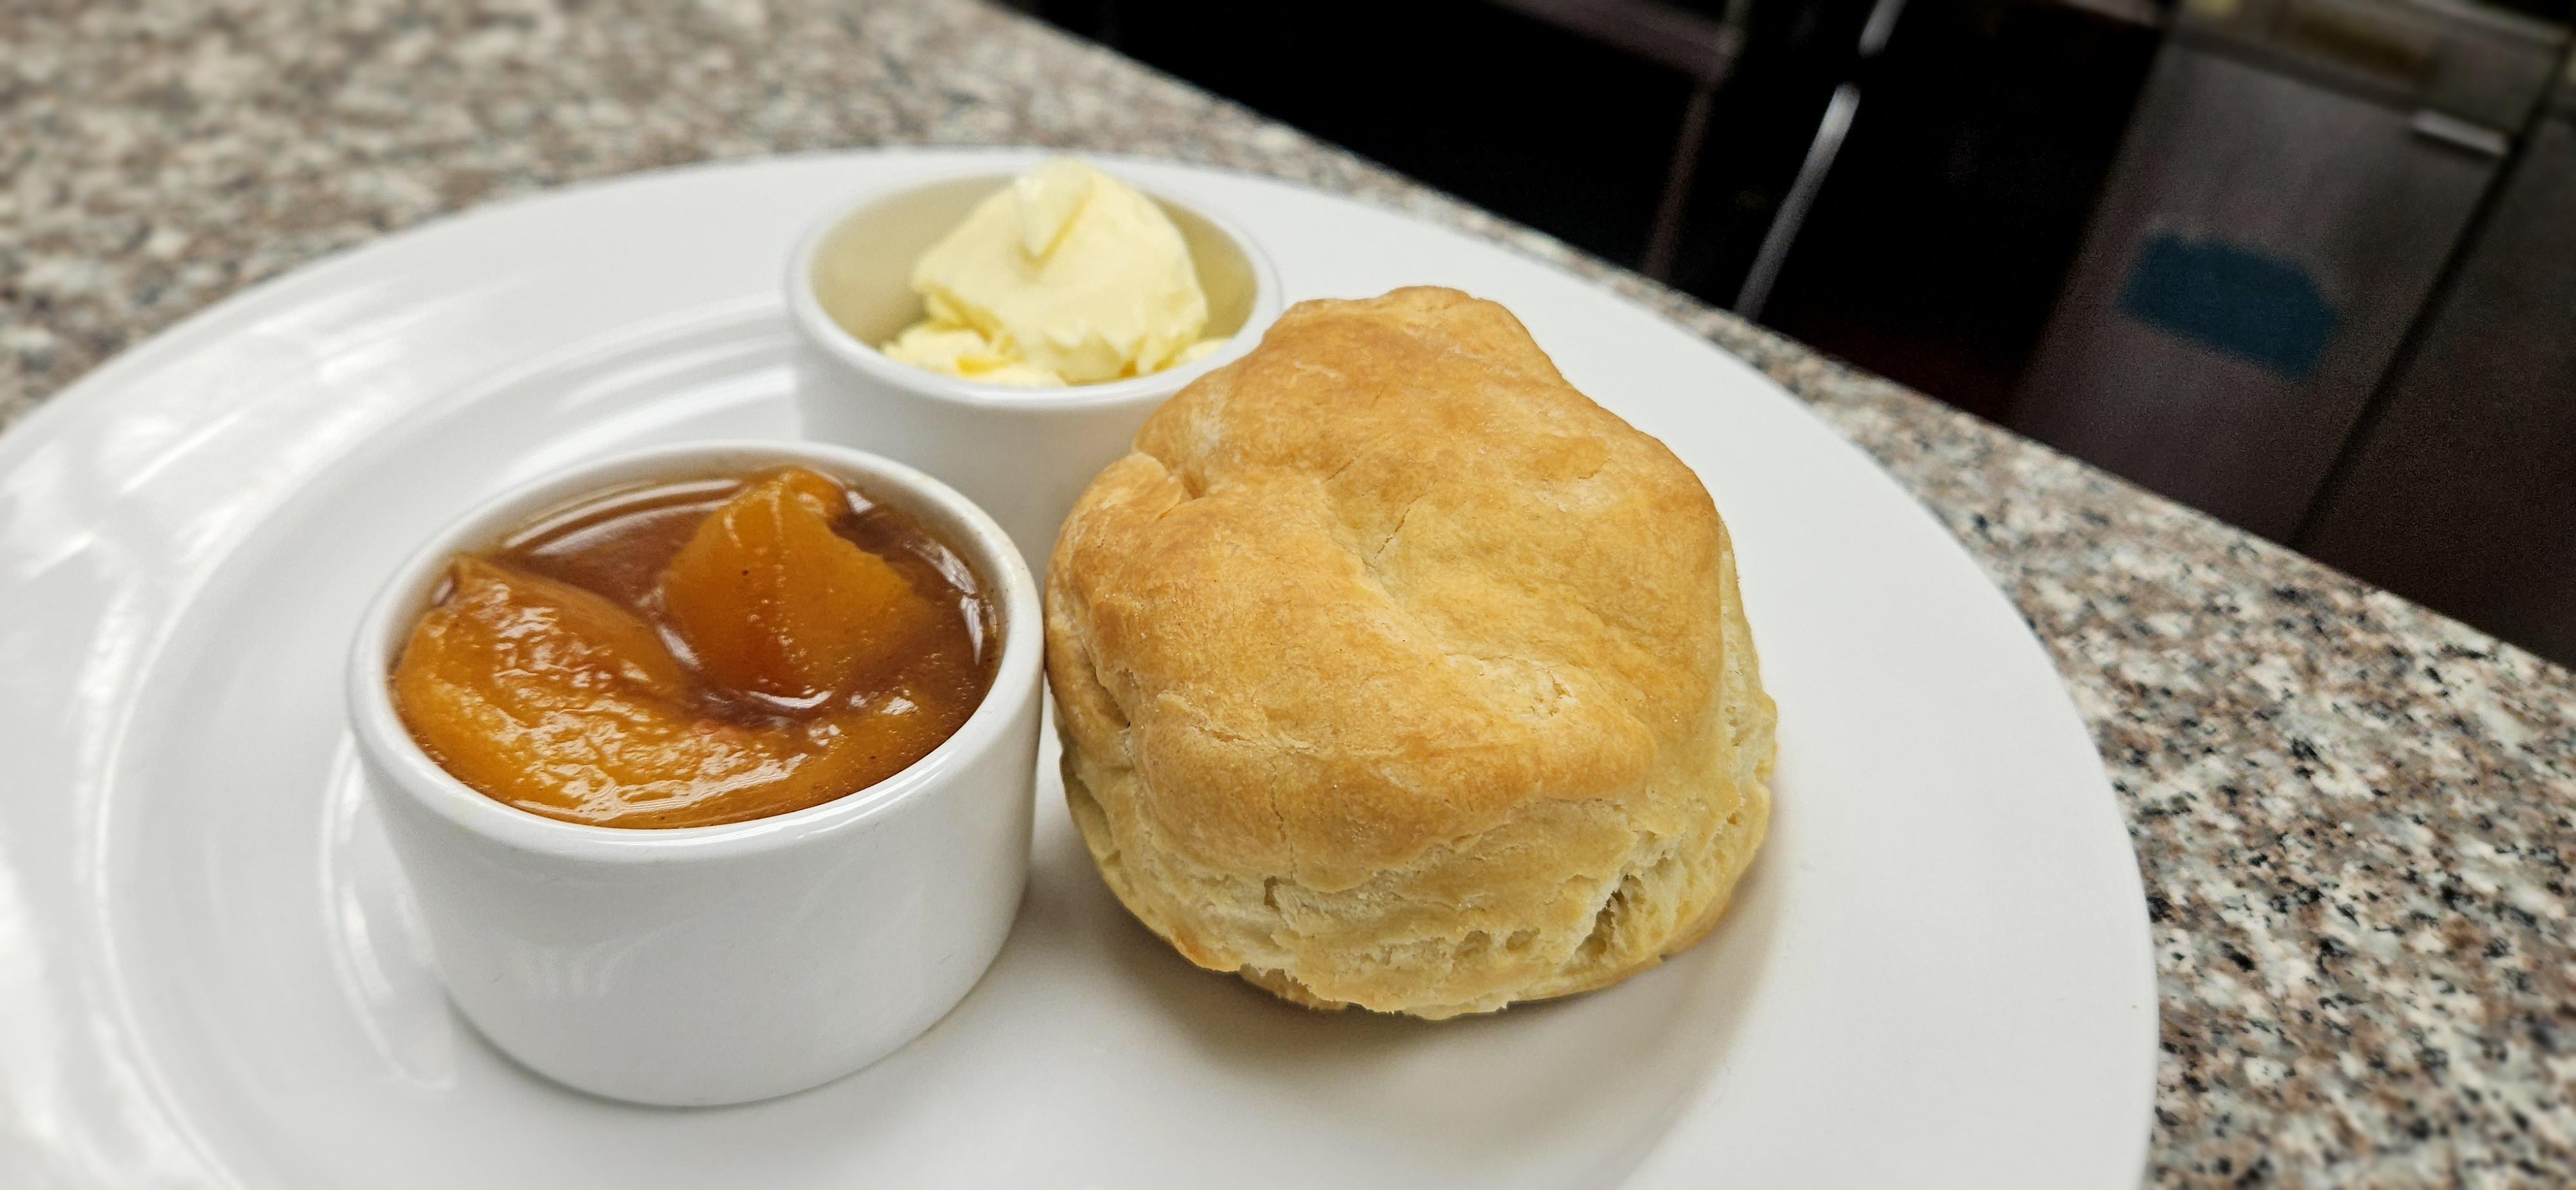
(553,699)
(771,600)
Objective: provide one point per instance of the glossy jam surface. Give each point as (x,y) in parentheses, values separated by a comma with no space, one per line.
(696,653)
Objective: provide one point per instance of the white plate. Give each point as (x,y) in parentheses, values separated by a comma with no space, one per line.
(1938,973)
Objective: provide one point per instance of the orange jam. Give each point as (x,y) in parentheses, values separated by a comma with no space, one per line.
(686,654)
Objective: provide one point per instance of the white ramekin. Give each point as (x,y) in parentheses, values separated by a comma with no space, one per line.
(1024,454)
(717,964)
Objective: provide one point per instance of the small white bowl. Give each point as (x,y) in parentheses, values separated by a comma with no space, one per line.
(717,964)
(1025,454)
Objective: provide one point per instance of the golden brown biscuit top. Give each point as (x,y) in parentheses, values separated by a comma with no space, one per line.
(1378,583)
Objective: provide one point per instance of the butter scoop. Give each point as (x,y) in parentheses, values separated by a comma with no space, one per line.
(1066,276)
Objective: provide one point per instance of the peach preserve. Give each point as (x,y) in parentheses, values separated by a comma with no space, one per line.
(698,652)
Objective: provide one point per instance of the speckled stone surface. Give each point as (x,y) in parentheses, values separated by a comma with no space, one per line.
(2353,815)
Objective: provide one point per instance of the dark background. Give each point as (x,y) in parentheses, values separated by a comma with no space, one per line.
(1932,257)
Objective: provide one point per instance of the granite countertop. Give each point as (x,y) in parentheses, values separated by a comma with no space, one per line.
(2353,815)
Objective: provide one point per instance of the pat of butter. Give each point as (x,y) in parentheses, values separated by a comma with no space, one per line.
(1066,276)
